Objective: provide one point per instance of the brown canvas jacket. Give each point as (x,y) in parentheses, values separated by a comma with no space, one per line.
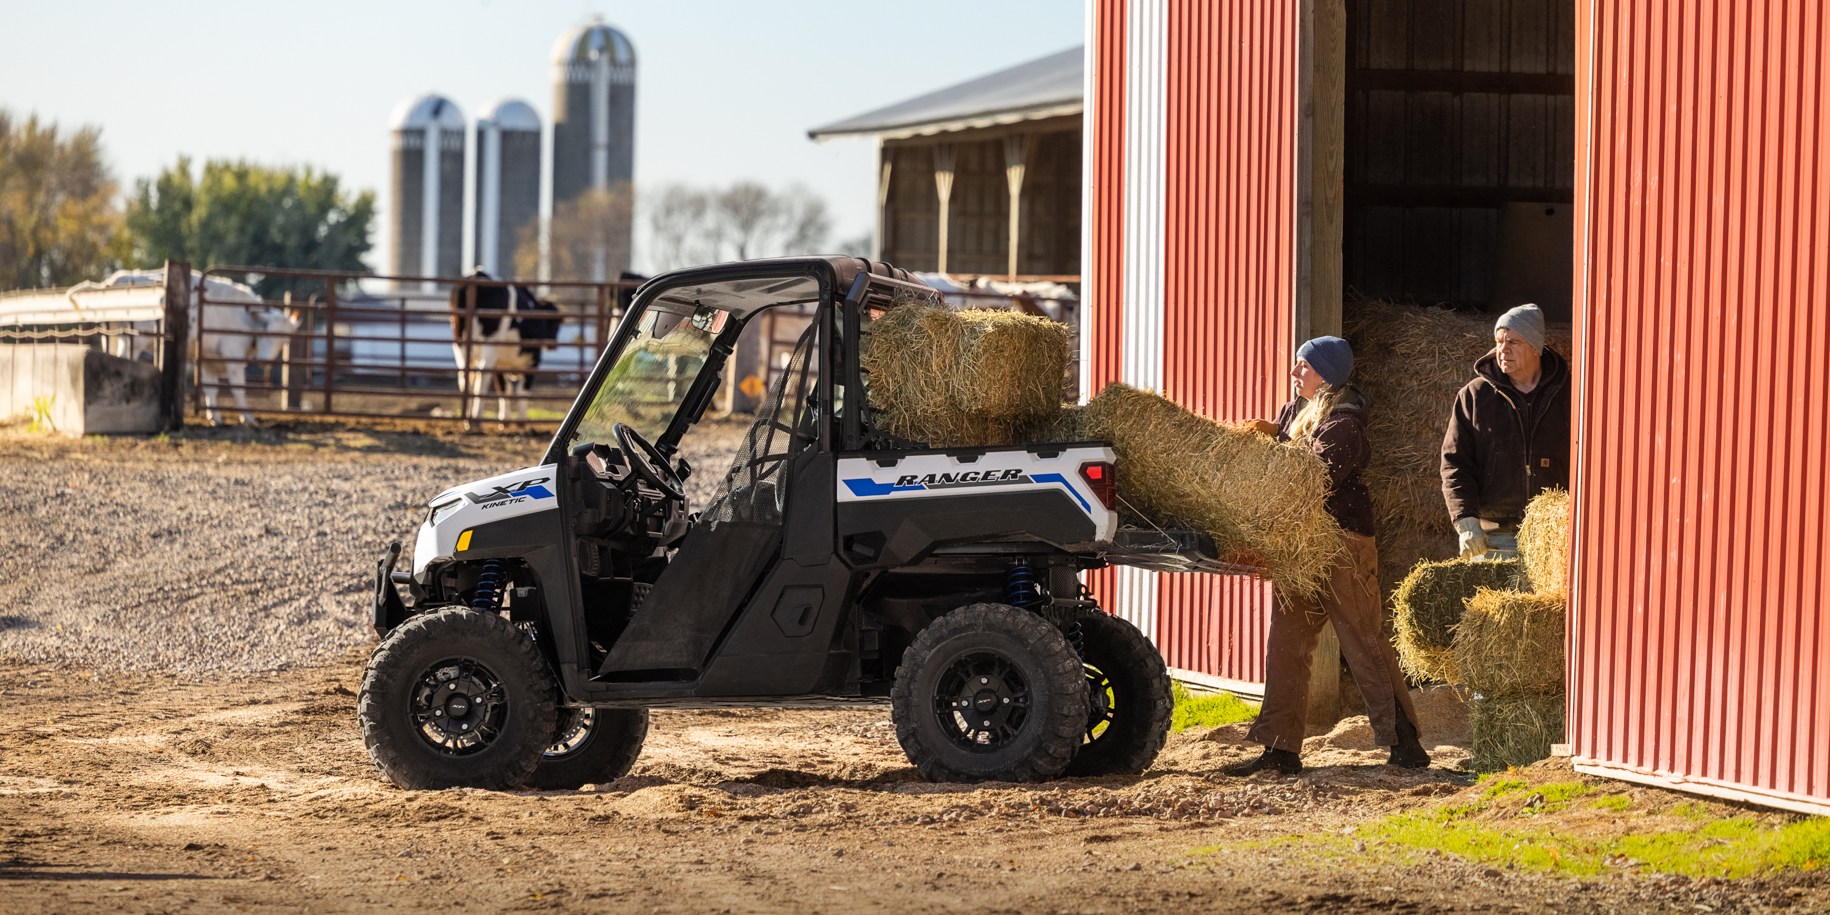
(1502,448)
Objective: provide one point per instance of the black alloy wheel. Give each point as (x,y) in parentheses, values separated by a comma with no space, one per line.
(989,692)
(591,746)
(457,698)
(1129,703)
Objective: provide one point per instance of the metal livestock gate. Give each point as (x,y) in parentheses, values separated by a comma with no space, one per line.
(372,346)
(1700,637)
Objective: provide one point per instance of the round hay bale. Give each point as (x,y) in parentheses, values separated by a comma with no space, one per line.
(1514,732)
(1410,361)
(1510,643)
(976,377)
(1261,501)
(1429,602)
(1544,541)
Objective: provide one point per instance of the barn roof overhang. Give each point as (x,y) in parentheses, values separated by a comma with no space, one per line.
(1050,87)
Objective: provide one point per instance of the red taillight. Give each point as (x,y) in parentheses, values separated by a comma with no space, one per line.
(1103,480)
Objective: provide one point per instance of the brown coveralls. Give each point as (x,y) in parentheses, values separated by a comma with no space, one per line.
(1351,600)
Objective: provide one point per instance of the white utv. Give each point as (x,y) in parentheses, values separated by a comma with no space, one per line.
(549,608)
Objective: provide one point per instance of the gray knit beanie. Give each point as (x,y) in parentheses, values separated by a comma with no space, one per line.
(1331,357)
(1526,321)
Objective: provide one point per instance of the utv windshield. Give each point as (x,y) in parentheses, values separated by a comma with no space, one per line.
(644,387)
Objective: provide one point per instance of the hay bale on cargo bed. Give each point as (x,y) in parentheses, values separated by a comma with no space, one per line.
(1429,603)
(974,377)
(1410,362)
(1544,541)
(1510,643)
(1261,501)
(1514,731)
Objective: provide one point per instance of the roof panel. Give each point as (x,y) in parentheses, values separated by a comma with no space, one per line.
(1046,87)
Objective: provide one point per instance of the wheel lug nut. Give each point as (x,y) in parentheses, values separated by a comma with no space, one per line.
(983,680)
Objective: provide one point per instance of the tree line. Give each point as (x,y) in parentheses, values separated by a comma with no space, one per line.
(64,219)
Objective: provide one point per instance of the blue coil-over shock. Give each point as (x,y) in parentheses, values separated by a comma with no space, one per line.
(1020,590)
(487,597)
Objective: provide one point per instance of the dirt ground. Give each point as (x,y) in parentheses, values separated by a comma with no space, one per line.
(238,782)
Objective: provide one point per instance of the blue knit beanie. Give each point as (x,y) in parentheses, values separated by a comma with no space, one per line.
(1331,357)
(1527,321)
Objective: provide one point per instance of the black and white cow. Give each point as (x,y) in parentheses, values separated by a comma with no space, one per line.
(512,327)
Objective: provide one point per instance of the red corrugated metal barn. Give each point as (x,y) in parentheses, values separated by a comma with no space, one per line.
(1654,172)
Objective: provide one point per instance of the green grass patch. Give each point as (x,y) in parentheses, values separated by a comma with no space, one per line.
(1512,823)
(542,414)
(1192,711)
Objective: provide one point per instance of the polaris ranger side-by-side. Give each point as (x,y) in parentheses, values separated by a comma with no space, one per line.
(551,607)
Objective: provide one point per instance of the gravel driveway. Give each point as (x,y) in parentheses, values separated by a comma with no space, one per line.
(222,550)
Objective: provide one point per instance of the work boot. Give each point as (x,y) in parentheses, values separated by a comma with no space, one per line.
(1286,762)
(1408,754)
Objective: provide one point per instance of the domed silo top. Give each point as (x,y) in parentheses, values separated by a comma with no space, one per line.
(588,43)
(514,114)
(427,110)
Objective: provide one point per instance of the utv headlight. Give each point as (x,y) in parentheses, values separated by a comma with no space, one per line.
(441,511)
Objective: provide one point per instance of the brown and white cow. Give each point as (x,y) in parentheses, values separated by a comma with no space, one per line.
(500,352)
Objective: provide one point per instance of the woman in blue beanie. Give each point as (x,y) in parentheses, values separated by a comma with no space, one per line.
(1328,416)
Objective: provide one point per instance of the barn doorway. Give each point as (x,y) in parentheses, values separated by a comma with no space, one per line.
(1459,153)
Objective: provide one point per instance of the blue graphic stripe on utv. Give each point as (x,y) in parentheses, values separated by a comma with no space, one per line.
(1058,478)
(867,487)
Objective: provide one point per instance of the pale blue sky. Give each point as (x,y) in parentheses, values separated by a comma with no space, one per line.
(725,89)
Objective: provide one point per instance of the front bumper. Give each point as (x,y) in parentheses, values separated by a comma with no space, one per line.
(390,610)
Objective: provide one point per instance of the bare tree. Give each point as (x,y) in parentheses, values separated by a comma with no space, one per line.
(588,238)
(677,223)
(688,225)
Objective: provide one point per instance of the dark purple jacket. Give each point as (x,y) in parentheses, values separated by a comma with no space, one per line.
(1503,447)
(1340,441)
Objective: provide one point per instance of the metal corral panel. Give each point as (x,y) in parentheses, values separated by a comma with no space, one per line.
(1190,281)
(1699,650)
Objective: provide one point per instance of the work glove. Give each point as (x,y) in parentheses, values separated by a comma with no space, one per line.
(1473,537)
(1263,427)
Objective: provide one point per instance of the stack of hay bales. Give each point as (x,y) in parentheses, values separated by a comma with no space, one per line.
(1261,501)
(1410,362)
(1429,602)
(1509,647)
(960,378)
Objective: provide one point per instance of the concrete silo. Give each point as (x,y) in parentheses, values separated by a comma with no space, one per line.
(427,204)
(508,183)
(593,114)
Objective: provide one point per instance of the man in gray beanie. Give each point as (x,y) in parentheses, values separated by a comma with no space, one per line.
(1509,435)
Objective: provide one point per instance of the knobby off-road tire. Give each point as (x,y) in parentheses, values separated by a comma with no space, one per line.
(1129,701)
(456,698)
(592,746)
(990,692)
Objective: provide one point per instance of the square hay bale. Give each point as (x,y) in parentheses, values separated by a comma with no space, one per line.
(1429,602)
(1514,732)
(1261,501)
(974,377)
(1544,541)
(1410,362)
(1510,643)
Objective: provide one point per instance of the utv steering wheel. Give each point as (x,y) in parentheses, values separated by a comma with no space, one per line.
(648,462)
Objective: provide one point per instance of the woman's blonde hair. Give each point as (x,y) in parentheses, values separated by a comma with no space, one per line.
(1317,409)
